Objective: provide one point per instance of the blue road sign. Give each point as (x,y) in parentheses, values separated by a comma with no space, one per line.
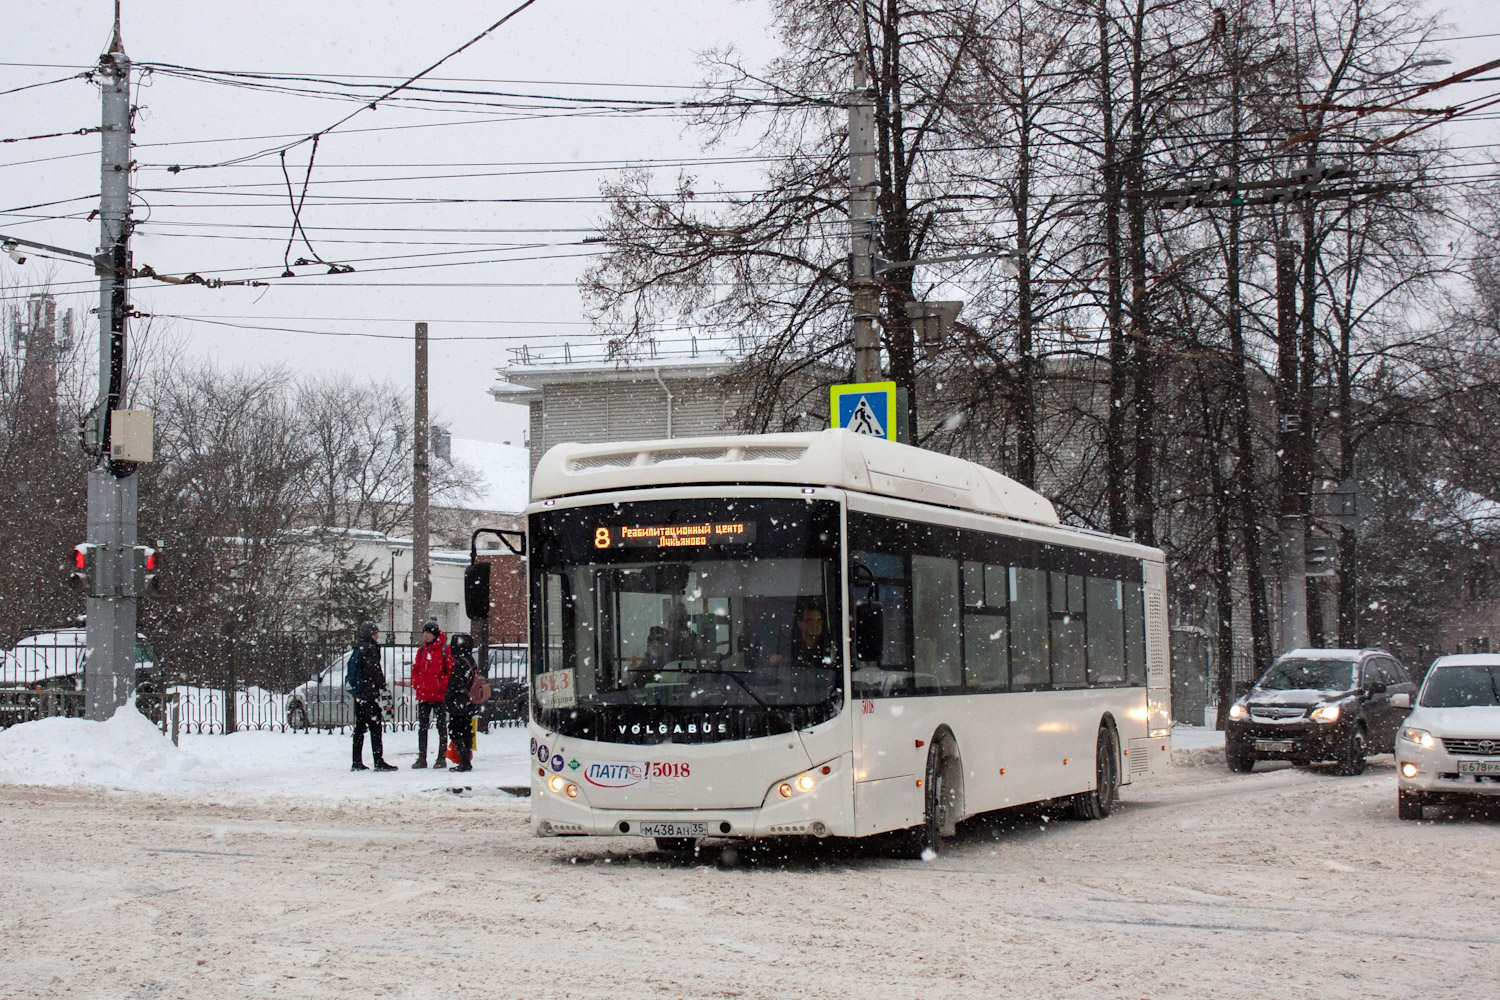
(865,408)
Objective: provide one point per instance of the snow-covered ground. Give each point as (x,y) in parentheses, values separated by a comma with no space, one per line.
(1288,882)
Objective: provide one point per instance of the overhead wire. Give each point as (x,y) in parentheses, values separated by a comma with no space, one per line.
(376,101)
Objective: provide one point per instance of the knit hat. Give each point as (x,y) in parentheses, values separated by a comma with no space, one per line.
(432,626)
(461,643)
(367,630)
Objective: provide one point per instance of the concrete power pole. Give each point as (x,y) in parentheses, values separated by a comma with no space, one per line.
(421,573)
(109,673)
(1290,438)
(862,228)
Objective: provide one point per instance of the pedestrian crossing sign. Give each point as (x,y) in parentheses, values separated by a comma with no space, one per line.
(865,408)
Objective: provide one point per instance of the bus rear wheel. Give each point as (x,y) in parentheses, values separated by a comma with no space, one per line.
(1100,802)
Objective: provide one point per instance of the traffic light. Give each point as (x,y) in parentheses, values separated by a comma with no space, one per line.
(84,574)
(145,565)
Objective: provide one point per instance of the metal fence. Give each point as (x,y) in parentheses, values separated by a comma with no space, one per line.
(275,683)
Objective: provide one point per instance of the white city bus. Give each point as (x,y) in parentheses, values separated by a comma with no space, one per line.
(826,634)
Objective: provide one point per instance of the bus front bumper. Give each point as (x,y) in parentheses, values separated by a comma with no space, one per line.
(825,810)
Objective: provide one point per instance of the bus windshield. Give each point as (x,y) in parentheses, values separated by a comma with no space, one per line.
(686,620)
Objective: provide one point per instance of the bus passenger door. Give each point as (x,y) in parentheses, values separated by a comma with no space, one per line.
(885,765)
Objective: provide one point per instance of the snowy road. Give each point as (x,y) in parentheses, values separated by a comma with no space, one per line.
(1285,883)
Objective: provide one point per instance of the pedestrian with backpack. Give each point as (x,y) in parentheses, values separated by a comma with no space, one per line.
(467,690)
(364,679)
(429,679)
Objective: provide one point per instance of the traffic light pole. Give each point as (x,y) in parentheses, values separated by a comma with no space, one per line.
(109,672)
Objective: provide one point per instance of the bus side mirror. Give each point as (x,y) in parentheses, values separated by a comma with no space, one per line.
(477,590)
(869,631)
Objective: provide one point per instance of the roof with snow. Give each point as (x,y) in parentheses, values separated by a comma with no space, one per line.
(833,457)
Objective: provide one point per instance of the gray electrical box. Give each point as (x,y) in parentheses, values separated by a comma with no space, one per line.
(132,436)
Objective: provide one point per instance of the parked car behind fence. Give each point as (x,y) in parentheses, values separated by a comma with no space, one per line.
(42,676)
(228,684)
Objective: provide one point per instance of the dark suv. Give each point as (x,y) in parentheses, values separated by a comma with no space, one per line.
(1319,704)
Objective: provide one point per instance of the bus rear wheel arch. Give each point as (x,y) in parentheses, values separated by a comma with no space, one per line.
(1100,801)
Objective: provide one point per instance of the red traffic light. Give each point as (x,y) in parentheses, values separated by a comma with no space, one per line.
(80,561)
(151,560)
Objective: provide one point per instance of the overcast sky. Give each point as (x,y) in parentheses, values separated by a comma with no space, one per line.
(528,252)
(645,49)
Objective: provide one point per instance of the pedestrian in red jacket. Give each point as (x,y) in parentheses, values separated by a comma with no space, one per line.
(429,678)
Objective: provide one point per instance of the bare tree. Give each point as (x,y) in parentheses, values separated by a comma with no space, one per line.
(359,451)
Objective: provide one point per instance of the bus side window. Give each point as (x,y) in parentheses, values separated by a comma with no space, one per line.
(935,624)
(1029,662)
(1135,634)
(892,675)
(986,627)
(1066,620)
(1106,631)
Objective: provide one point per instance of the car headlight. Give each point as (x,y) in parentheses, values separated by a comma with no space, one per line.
(1326,713)
(1238,710)
(1420,737)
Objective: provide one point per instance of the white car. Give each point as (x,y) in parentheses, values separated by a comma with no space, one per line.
(1449,746)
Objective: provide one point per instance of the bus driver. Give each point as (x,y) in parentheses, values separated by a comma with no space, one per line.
(811,644)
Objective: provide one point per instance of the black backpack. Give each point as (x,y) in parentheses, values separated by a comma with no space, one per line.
(354,672)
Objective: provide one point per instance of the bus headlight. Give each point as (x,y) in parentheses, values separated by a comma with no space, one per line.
(803,783)
(556,783)
(572,790)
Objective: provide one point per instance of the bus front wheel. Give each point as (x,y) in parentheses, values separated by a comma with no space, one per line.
(921,842)
(1100,802)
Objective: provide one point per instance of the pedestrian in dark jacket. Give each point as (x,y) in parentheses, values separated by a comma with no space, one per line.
(429,679)
(460,708)
(366,695)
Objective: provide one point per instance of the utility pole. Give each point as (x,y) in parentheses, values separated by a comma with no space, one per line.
(862,228)
(109,672)
(1293,459)
(421,573)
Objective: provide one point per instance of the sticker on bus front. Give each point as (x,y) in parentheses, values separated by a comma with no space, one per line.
(554,689)
(616,774)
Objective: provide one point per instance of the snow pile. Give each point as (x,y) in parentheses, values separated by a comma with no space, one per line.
(126,751)
(131,754)
(1197,746)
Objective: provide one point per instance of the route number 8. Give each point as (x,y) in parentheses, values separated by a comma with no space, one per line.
(601,538)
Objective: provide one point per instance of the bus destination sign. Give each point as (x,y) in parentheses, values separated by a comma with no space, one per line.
(666,536)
